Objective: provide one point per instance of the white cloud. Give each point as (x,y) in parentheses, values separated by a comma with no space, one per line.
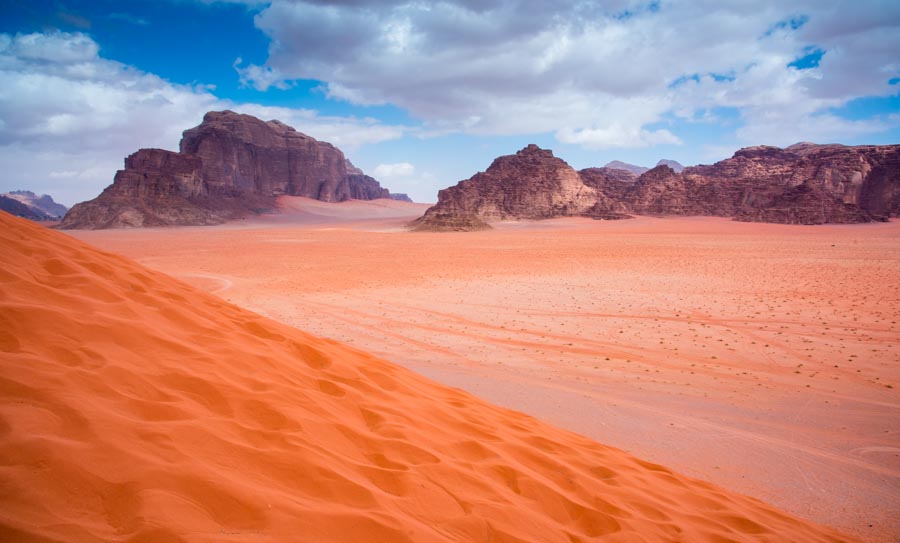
(69,117)
(783,127)
(343,132)
(65,109)
(56,47)
(616,136)
(259,77)
(391,171)
(598,75)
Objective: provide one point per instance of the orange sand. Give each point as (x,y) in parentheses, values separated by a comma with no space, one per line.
(136,408)
(755,356)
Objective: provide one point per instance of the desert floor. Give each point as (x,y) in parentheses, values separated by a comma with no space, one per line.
(763,358)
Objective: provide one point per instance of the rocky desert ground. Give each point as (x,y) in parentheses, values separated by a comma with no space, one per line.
(763,358)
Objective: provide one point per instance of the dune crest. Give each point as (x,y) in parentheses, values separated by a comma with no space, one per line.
(136,408)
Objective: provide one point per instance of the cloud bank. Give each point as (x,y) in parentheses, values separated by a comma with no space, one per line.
(602,75)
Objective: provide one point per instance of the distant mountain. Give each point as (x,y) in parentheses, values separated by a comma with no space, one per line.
(401,197)
(619,165)
(638,170)
(17,208)
(39,208)
(674,164)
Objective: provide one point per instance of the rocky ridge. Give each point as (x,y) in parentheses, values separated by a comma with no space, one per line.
(230,166)
(801,184)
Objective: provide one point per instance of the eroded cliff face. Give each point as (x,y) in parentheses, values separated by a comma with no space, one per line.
(229,166)
(802,184)
(806,183)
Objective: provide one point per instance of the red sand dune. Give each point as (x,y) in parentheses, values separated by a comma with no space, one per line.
(764,358)
(137,408)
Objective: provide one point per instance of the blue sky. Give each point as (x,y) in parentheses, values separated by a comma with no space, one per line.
(424,94)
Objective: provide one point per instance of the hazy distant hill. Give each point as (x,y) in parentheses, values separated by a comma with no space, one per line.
(638,170)
(619,165)
(674,164)
(32,206)
(17,208)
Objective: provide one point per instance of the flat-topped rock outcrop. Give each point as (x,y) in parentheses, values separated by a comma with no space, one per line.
(230,166)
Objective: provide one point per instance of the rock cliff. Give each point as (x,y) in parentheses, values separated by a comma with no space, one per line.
(802,184)
(229,166)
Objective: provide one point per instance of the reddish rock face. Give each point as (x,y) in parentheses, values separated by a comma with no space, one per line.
(229,166)
(806,183)
(532,184)
(802,184)
(244,154)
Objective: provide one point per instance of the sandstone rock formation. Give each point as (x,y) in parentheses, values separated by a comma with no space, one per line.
(611,185)
(363,187)
(802,184)
(229,166)
(532,184)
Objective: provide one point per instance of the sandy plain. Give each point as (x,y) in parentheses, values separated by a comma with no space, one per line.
(762,358)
